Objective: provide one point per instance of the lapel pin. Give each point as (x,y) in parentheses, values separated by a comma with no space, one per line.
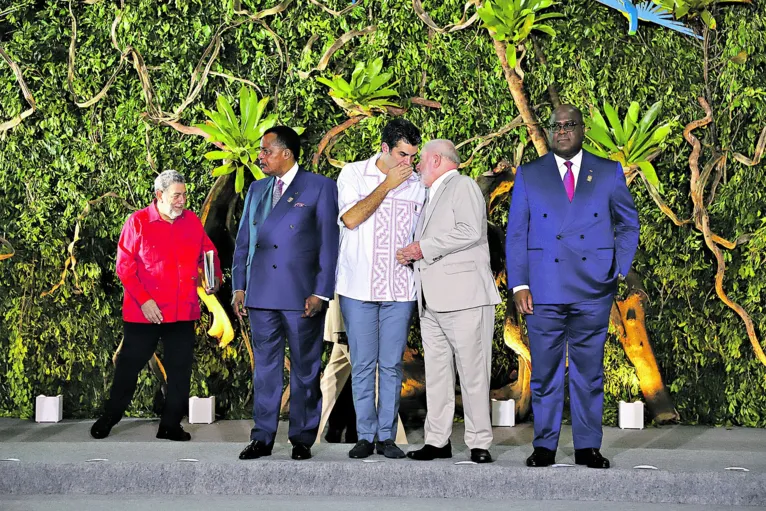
(590,178)
(290,199)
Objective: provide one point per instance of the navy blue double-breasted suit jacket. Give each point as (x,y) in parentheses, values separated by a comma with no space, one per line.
(569,252)
(283,256)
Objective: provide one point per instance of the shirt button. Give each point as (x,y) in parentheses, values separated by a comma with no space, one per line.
(582,237)
(257,245)
(274,266)
(545,215)
(584,258)
(276,246)
(292,227)
(558,237)
(557,260)
(595,214)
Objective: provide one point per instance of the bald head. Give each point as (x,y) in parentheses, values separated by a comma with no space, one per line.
(436,158)
(566,131)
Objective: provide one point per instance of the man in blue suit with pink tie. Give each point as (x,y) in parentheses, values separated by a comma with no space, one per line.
(284,275)
(572,234)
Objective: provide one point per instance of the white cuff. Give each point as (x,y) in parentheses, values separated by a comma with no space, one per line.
(519,288)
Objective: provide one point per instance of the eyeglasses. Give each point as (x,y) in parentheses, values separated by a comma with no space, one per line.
(567,126)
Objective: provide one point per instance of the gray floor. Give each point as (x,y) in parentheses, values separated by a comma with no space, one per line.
(671,448)
(59,463)
(262,503)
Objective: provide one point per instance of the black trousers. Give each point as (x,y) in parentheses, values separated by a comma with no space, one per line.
(137,348)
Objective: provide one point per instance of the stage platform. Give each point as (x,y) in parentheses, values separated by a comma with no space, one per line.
(691,466)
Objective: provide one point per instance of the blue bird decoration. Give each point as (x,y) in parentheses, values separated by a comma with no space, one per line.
(650,13)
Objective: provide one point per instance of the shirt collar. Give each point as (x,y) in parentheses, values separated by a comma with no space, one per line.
(371,168)
(576,161)
(436,184)
(289,176)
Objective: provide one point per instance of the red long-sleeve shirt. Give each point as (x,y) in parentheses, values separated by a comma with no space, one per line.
(160,260)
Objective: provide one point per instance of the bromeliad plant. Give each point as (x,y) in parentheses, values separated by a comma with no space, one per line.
(367,91)
(632,142)
(239,136)
(512,21)
(701,8)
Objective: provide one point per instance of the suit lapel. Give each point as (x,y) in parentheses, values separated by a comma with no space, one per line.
(430,205)
(262,203)
(286,202)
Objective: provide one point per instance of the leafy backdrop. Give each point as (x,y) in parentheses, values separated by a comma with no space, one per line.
(59,164)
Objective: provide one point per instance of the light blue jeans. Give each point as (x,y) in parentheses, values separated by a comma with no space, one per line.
(377,335)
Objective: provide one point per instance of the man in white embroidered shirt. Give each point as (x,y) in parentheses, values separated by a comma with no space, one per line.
(380,201)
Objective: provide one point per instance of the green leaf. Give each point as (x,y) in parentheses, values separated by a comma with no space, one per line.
(649,117)
(244,104)
(525,29)
(650,174)
(224,107)
(250,130)
(598,119)
(601,137)
(660,134)
(510,54)
(546,30)
(614,120)
(211,130)
(256,171)
(219,155)
(227,168)
(239,180)
(598,151)
(708,19)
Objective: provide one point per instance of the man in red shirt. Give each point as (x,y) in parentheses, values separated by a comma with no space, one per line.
(159,261)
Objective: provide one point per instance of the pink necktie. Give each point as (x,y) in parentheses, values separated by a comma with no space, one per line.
(277,192)
(569,184)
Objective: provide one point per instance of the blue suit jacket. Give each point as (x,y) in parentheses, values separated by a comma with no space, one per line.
(282,257)
(570,252)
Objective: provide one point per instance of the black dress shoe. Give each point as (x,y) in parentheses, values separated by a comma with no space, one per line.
(103,426)
(362,449)
(333,435)
(429,452)
(389,449)
(175,433)
(541,457)
(256,449)
(481,456)
(591,458)
(301,451)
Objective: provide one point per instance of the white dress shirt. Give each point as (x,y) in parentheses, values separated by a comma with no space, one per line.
(576,164)
(436,184)
(287,179)
(367,267)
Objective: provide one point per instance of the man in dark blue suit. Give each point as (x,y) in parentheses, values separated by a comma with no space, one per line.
(284,275)
(572,234)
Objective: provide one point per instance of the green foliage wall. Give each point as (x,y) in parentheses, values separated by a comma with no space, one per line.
(64,156)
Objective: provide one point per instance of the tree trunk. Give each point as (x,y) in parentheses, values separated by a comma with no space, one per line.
(628,317)
(516,86)
(519,389)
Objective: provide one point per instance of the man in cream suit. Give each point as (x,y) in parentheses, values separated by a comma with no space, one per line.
(456,302)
